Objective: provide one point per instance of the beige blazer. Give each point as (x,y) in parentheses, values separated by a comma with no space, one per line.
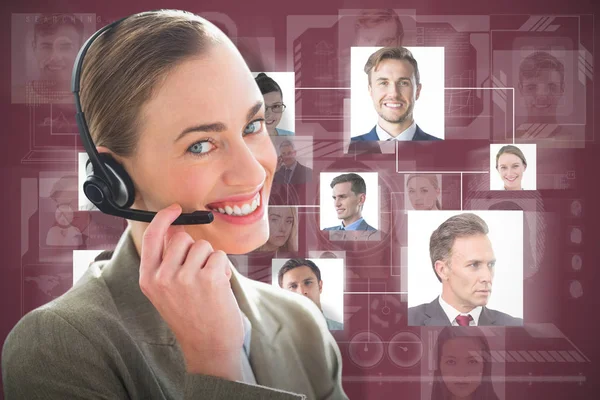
(104,339)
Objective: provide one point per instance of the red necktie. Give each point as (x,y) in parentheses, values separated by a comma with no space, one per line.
(463,320)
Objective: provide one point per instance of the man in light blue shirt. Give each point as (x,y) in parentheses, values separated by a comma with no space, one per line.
(349,195)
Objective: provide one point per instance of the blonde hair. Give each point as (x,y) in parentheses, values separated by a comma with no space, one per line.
(434,182)
(291,244)
(125,65)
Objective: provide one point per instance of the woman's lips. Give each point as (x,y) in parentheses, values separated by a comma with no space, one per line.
(247,214)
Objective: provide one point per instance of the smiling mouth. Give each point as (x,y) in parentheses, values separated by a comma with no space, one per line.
(393,105)
(511,179)
(270,121)
(238,209)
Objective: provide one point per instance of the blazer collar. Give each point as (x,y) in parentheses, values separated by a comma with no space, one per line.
(122,274)
(435,315)
(486,318)
(372,135)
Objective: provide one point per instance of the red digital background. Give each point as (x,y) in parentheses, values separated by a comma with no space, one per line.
(559,349)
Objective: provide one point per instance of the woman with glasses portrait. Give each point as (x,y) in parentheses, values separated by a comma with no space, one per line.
(274,106)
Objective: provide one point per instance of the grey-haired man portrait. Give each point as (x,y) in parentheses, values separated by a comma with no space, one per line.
(463,260)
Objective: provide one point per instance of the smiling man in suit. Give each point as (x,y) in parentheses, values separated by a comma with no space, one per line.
(463,261)
(394,87)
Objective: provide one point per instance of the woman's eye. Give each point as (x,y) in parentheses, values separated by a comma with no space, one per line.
(254,126)
(200,148)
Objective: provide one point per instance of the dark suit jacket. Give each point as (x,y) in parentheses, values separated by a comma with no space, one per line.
(104,339)
(363,226)
(301,175)
(432,314)
(419,135)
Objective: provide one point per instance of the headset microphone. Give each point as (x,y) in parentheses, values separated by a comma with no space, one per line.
(108,186)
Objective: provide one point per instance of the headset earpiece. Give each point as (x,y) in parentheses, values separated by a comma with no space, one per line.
(117,185)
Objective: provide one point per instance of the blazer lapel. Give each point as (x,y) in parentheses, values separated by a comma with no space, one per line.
(264,344)
(373,134)
(418,134)
(122,274)
(486,318)
(435,315)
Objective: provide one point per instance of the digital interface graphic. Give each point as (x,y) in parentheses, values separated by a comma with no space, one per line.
(514,100)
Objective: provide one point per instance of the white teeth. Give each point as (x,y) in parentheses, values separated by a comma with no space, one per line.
(242,210)
(393,105)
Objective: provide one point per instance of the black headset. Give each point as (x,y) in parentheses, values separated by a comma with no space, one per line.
(108,185)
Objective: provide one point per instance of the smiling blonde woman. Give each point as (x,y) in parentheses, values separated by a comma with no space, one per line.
(170,99)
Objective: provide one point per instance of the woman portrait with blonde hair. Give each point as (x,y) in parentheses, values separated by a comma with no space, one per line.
(283,230)
(172,111)
(424,191)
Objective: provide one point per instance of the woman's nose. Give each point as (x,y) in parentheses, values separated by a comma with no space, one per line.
(244,169)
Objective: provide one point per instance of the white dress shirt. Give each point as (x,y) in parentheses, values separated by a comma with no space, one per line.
(407,134)
(452,313)
(247,372)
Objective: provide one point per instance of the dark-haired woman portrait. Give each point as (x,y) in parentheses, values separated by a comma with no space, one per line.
(274,105)
(463,366)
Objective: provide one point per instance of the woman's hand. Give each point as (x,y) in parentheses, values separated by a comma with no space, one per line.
(188,283)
